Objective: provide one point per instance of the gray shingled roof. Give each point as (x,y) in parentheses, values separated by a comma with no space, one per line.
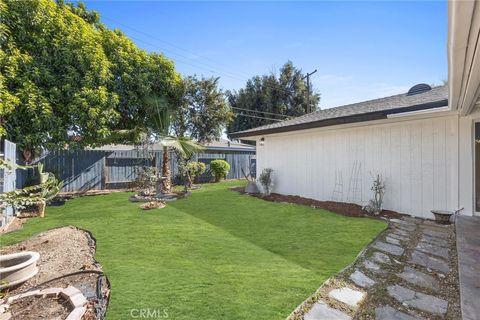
(436,97)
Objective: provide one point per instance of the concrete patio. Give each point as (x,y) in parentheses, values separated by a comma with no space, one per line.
(468,248)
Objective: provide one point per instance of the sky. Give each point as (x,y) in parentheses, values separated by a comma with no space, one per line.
(362,50)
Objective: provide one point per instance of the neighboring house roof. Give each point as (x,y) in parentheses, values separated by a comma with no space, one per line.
(220,145)
(357,112)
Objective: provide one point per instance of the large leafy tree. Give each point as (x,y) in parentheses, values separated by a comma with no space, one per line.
(64,75)
(284,94)
(203,112)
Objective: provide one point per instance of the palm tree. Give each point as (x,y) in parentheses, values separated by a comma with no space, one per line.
(159,128)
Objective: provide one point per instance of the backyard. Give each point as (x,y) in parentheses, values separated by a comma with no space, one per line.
(217,254)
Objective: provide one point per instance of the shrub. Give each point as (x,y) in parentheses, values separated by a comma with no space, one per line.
(266,179)
(375,205)
(146,180)
(195,170)
(219,169)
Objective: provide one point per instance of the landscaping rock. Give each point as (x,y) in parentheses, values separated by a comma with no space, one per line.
(418,300)
(388,248)
(418,278)
(381,257)
(388,313)
(432,249)
(347,296)
(361,280)
(429,262)
(321,311)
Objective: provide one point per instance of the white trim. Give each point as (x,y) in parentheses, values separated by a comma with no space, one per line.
(445,110)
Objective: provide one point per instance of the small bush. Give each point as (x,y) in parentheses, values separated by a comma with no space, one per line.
(195,170)
(266,179)
(219,169)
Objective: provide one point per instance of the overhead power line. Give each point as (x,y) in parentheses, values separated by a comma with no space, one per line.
(264,112)
(257,117)
(197,64)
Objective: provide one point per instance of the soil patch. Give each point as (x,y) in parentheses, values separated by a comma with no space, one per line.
(64,251)
(34,308)
(343,208)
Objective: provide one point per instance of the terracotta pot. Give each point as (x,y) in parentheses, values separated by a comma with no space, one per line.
(17,268)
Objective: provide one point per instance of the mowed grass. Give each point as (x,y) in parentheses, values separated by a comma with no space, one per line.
(215,255)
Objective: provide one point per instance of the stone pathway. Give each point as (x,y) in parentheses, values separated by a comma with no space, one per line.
(405,274)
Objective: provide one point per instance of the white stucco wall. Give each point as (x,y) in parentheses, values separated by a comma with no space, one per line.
(418,160)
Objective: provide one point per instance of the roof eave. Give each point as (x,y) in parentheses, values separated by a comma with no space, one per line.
(370,116)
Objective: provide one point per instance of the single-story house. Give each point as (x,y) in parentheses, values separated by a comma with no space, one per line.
(425,143)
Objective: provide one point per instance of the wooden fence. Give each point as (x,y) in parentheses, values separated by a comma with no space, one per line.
(84,170)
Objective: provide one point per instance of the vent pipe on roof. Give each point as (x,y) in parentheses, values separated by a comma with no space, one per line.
(419,88)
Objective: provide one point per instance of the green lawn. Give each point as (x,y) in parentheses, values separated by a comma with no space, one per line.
(214,255)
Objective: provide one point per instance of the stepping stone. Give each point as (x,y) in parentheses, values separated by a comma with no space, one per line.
(361,280)
(347,296)
(418,300)
(436,241)
(432,249)
(436,234)
(401,232)
(372,266)
(406,227)
(429,262)
(321,311)
(388,313)
(392,240)
(403,221)
(418,278)
(397,236)
(381,257)
(388,248)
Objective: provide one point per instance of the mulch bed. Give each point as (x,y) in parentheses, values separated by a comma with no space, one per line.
(343,208)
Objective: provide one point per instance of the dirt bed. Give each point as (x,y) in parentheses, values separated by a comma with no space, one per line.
(346,209)
(63,251)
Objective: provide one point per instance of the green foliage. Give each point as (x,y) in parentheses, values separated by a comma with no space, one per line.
(196,169)
(203,112)
(276,250)
(375,205)
(284,95)
(219,168)
(46,190)
(266,179)
(64,74)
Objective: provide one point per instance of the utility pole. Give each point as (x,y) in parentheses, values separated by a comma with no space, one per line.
(307,109)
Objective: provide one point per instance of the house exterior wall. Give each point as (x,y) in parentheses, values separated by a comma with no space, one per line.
(417,158)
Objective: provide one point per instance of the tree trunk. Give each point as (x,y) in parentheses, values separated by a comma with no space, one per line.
(166,177)
(41,209)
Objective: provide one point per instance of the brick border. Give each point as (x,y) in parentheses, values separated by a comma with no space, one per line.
(74,296)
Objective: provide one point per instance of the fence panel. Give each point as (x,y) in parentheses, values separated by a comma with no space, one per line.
(9,177)
(83,170)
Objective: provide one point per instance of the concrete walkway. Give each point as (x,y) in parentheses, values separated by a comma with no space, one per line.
(468,248)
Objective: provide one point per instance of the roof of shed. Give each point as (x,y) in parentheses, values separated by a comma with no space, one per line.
(356,112)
